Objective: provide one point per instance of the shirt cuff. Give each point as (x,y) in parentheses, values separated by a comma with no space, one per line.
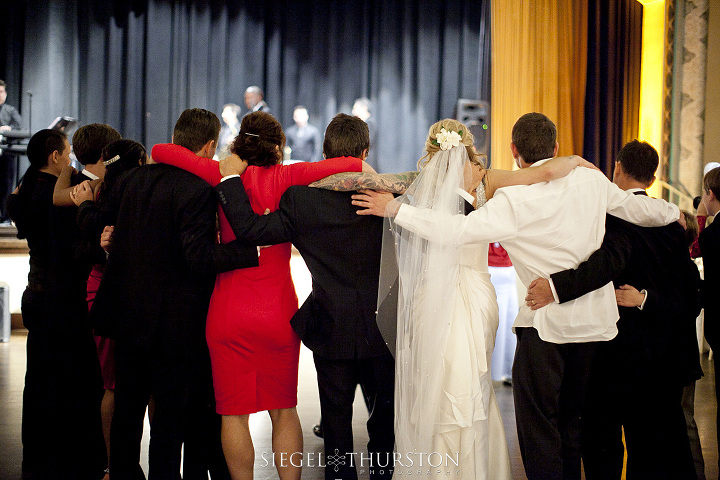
(552,288)
(229,176)
(642,305)
(465,195)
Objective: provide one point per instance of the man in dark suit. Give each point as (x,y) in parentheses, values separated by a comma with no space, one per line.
(337,321)
(636,379)
(153,301)
(710,248)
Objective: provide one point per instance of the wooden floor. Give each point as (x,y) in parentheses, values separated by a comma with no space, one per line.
(12,372)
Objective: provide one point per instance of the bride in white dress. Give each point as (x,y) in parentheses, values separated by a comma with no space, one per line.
(447,420)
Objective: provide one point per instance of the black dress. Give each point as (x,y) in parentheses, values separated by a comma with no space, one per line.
(61,429)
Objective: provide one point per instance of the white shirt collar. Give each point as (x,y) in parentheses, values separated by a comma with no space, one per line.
(89,174)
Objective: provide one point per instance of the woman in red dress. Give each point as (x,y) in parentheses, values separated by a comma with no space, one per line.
(253,349)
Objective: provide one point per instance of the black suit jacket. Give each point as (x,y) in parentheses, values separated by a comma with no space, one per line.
(341,250)
(163,260)
(710,248)
(659,340)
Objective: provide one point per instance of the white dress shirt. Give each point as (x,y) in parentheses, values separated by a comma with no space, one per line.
(546,228)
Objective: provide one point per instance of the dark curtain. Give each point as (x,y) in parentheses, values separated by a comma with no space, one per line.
(137,65)
(612,98)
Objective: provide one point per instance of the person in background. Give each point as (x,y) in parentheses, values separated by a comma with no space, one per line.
(9,120)
(254,100)
(304,139)
(229,130)
(709,241)
(504,279)
(362,108)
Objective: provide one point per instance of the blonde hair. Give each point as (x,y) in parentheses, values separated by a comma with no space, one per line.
(466,138)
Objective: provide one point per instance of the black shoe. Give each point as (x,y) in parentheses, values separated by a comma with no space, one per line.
(318,430)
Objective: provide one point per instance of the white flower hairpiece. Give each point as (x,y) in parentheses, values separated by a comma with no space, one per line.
(112,160)
(447,139)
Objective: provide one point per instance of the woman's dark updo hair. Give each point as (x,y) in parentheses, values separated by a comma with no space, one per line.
(259,139)
(130,153)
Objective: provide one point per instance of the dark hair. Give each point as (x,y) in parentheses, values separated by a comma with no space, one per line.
(234,107)
(131,155)
(89,141)
(258,140)
(639,160)
(534,136)
(346,136)
(691,227)
(195,128)
(42,145)
(711,181)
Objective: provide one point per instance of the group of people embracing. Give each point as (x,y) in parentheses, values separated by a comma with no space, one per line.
(193,293)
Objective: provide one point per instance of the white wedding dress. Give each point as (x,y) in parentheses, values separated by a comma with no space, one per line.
(447,319)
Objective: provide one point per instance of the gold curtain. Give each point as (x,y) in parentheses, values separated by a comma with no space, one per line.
(539,60)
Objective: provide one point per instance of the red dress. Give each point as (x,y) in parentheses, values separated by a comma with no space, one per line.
(253,349)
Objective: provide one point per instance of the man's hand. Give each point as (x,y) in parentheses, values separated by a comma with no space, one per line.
(106,237)
(375,203)
(629,296)
(539,294)
(232,165)
(82,192)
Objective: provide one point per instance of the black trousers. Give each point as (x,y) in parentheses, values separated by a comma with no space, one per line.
(649,409)
(337,382)
(178,384)
(549,388)
(61,425)
(8,172)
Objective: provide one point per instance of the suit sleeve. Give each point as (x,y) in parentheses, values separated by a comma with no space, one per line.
(601,267)
(197,235)
(709,246)
(248,226)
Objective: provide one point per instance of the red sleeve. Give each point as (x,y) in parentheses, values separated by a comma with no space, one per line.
(305,173)
(695,247)
(177,156)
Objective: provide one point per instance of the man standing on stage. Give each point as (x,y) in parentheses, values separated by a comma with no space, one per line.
(9,120)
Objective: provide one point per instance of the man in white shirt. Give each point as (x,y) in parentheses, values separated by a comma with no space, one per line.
(542,227)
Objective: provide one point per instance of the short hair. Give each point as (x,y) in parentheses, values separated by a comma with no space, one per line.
(3,84)
(234,107)
(42,145)
(692,228)
(259,139)
(711,182)
(534,136)
(639,160)
(255,89)
(346,136)
(195,127)
(89,140)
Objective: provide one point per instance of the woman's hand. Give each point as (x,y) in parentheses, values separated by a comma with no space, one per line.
(629,296)
(106,237)
(232,165)
(375,203)
(82,192)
